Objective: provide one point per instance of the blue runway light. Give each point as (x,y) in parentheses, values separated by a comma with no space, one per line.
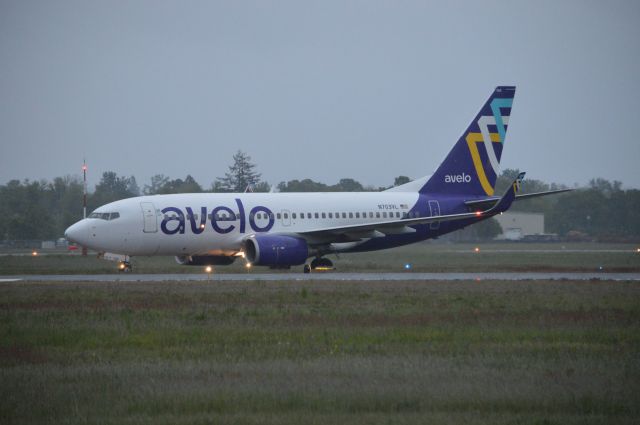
(407,266)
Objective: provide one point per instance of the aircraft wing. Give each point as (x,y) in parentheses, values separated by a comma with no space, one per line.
(372,230)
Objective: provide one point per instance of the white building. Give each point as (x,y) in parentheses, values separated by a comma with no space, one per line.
(517,225)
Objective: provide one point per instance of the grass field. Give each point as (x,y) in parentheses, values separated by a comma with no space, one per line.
(424,257)
(320,352)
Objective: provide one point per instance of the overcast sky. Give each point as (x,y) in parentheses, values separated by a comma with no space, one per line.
(323,90)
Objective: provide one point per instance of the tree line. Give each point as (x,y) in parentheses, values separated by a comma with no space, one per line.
(44,209)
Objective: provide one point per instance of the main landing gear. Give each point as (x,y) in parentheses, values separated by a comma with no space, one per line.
(319,264)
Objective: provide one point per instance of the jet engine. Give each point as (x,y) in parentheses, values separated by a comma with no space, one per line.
(275,250)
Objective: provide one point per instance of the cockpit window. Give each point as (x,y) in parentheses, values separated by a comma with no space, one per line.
(104,216)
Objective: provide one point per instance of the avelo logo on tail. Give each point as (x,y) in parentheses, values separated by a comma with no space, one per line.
(457,178)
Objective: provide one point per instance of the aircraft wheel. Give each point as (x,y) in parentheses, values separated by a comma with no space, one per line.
(307,268)
(323,263)
(326,263)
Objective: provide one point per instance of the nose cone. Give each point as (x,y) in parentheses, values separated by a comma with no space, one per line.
(78,232)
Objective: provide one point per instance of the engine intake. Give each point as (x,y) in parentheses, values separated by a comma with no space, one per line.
(205,260)
(275,250)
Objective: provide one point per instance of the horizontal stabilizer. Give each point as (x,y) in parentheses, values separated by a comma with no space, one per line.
(480,204)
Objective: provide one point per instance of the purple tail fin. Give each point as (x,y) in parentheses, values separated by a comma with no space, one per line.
(473,165)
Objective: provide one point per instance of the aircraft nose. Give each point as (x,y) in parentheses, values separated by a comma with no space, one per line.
(77,232)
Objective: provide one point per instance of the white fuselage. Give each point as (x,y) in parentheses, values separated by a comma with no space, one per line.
(174,224)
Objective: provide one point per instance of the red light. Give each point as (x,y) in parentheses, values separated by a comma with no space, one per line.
(84,168)
(478,213)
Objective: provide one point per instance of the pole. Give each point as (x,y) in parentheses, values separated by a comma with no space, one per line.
(84,197)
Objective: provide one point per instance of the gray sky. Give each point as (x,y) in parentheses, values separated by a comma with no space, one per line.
(328,89)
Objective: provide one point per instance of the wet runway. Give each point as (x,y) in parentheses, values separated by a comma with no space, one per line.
(323,276)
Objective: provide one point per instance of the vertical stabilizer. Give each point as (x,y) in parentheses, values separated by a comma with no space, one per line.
(473,165)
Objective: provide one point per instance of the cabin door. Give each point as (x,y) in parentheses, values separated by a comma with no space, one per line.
(434,208)
(149,217)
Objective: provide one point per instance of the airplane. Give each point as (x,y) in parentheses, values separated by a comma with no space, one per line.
(280,230)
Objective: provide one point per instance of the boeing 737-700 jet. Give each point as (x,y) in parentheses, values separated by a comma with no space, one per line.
(281,230)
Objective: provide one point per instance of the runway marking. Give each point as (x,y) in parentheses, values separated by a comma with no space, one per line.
(10,280)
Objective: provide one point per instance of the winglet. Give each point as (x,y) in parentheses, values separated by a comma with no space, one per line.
(507,199)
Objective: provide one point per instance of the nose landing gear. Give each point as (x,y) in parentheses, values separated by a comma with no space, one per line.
(124,267)
(318,264)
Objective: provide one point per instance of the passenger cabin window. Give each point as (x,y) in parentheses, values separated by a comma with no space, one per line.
(324,215)
(279,216)
(316,215)
(330,215)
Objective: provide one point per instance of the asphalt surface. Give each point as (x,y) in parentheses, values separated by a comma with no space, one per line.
(133,277)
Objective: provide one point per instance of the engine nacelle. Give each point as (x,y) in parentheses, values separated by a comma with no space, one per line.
(275,250)
(205,260)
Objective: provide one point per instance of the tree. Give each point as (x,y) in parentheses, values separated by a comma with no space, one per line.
(26,210)
(132,186)
(606,187)
(400,180)
(112,188)
(348,185)
(158,181)
(162,185)
(306,185)
(219,187)
(487,229)
(66,202)
(241,174)
(263,187)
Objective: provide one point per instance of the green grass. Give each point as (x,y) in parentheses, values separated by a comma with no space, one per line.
(320,352)
(424,257)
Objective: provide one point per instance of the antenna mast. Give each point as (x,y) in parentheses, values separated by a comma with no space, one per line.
(84,196)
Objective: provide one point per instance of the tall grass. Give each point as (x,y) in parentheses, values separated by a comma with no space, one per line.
(318,352)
